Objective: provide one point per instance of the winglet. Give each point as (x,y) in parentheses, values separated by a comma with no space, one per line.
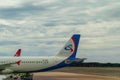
(18,53)
(18,62)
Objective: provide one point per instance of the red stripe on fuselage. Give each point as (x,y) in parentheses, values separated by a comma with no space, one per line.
(74,43)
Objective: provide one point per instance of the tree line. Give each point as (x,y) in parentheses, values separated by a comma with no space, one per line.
(96,64)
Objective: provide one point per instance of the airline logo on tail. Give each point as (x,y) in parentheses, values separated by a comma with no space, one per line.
(71,46)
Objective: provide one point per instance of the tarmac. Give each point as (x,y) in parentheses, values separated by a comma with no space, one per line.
(70,76)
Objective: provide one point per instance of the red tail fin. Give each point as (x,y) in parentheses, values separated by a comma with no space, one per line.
(18,53)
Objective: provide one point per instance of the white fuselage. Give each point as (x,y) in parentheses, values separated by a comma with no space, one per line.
(31,64)
(37,64)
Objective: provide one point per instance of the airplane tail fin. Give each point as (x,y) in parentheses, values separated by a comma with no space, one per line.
(18,53)
(70,48)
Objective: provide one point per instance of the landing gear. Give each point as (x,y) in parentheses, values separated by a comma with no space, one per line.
(20,76)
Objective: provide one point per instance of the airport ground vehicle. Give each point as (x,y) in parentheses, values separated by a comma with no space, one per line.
(19,76)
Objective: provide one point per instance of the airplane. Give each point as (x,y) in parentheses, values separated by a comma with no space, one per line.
(22,64)
(18,53)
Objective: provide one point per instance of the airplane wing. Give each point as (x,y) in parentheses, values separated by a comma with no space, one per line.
(18,53)
(77,60)
(81,59)
(4,66)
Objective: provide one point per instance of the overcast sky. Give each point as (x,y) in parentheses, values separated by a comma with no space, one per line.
(42,27)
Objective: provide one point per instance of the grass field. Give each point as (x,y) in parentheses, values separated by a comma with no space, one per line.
(102,71)
(80,73)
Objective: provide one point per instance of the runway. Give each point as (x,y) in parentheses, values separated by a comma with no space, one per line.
(70,76)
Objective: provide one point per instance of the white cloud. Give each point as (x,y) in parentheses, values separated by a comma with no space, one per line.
(44,26)
(4,22)
(9,3)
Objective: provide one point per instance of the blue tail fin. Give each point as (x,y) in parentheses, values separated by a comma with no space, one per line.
(70,48)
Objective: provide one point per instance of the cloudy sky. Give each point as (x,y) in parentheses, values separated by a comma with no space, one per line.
(42,27)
